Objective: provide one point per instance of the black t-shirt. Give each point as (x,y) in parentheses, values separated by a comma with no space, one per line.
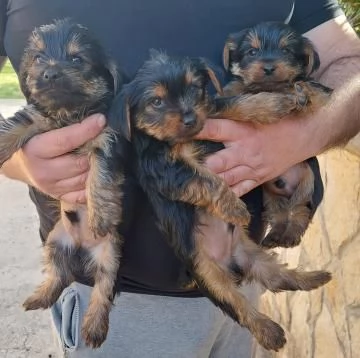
(128,29)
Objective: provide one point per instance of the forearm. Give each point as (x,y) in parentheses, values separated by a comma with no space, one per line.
(340,69)
(339,121)
(345,69)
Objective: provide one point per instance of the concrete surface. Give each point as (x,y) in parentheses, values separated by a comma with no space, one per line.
(22,334)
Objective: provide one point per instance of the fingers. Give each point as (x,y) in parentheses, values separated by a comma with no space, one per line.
(244,187)
(73,184)
(223,130)
(241,179)
(237,174)
(237,167)
(67,166)
(234,155)
(60,141)
(77,197)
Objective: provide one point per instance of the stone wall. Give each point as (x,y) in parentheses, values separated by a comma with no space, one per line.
(325,323)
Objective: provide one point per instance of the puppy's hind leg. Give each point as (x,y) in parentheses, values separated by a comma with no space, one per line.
(104,263)
(289,217)
(263,267)
(58,251)
(220,287)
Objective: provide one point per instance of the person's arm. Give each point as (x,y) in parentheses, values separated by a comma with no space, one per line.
(340,64)
(44,161)
(255,154)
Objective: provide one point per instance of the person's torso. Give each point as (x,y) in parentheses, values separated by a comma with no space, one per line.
(128,29)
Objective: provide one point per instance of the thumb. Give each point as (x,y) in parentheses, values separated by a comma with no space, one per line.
(63,140)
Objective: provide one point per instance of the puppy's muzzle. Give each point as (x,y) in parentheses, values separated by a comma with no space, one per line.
(189,119)
(52,74)
(269,69)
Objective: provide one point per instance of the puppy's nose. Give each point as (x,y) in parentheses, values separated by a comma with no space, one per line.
(189,119)
(51,74)
(268,69)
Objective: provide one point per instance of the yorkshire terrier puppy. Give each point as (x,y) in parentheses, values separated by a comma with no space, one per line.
(158,114)
(272,57)
(66,76)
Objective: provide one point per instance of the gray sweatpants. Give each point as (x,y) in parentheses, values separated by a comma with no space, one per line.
(152,327)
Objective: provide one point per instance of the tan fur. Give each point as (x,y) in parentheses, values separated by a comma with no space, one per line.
(256,265)
(159,91)
(96,320)
(234,88)
(263,107)
(15,133)
(104,193)
(289,216)
(73,46)
(254,40)
(209,191)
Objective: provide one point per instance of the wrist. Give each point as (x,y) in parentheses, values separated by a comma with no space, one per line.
(315,134)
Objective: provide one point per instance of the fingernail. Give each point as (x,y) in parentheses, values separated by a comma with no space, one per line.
(246,186)
(100,120)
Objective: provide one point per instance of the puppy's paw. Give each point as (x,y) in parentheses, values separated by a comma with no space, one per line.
(95,328)
(239,215)
(269,334)
(301,93)
(35,302)
(278,238)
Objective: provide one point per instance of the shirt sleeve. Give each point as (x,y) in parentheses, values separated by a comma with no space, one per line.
(3,8)
(311,13)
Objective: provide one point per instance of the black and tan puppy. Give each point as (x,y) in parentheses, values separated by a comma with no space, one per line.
(272,57)
(160,111)
(66,76)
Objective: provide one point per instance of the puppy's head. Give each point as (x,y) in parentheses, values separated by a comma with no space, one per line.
(269,53)
(64,67)
(167,99)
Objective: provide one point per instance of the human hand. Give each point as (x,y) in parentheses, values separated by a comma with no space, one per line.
(45,161)
(256,153)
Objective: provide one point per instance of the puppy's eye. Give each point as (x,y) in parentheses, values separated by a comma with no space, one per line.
(37,59)
(76,60)
(157,102)
(253,52)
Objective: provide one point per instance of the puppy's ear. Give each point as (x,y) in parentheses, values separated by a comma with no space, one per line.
(210,74)
(215,81)
(23,74)
(312,59)
(232,43)
(27,60)
(115,74)
(119,115)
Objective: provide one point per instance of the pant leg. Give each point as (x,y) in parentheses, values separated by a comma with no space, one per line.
(146,326)
(234,341)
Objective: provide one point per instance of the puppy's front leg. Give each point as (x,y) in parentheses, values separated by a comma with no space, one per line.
(317,95)
(205,189)
(15,131)
(270,107)
(104,192)
(263,107)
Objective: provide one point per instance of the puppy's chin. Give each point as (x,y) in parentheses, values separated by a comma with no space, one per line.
(185,134)
(54,99)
